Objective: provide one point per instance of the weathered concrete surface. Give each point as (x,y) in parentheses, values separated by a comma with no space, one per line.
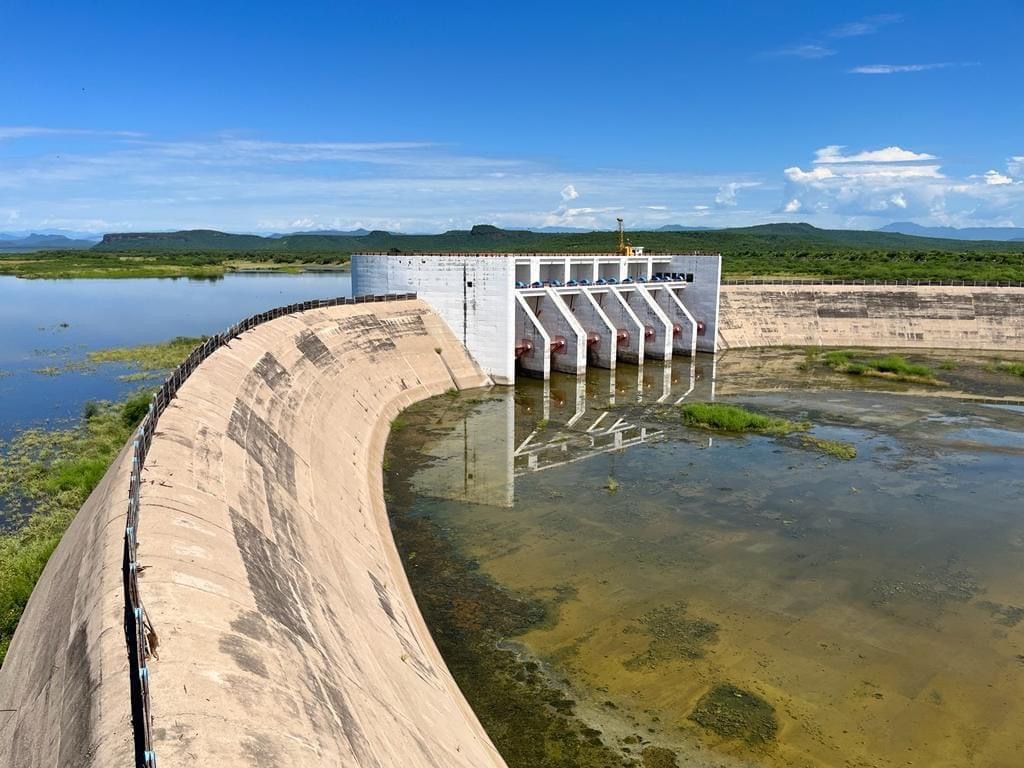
(874,316)
(64,693)
(288,635)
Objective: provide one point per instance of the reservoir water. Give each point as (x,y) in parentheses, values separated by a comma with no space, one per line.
(48,326)
(671,595)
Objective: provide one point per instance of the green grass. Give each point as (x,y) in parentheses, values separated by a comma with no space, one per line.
(836,448)
(857,363)
(50,474)
(1014,369)
(722,417)
(202,265)
(150,359)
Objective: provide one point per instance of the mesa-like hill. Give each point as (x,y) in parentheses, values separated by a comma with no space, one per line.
(36,242)
(777,238)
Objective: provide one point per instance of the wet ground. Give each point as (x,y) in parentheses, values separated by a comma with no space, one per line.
(671,595)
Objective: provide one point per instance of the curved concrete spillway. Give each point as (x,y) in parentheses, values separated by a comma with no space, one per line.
(288,635)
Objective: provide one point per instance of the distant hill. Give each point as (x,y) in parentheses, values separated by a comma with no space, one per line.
(39,242)
(765,238)
(953,233)
(683,228)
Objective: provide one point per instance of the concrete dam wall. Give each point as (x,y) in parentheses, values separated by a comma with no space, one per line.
(287,632)
(932,316)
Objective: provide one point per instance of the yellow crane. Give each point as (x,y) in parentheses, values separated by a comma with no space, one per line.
(625,248)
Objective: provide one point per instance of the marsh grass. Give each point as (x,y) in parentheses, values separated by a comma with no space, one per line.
(149,358)
(722,417)
(837,448)
(1001,366)
(857,363)
(48,474)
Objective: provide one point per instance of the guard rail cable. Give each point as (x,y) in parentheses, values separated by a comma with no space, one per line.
(140,635)
(949,283)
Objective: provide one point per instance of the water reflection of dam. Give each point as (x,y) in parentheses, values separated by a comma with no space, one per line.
(539,425)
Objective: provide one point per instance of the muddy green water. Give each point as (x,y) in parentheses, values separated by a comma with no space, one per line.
(659,590)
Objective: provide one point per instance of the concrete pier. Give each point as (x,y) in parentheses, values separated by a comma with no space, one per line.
(630,332)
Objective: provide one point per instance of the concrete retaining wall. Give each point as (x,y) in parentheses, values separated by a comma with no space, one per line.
(927,316)
(471,291)
(288,635)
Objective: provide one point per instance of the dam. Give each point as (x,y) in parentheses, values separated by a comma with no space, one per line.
(251,606)
(536,313)
(274,623)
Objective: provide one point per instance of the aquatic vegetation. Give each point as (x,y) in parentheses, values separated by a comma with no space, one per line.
(611,485)
(733,713)
(889,366)
(723,417)
(840,449)
(49,475)
(1001,366)
(672,636)
(150,359)
(659,757)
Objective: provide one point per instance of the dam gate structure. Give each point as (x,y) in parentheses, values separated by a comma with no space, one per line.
(534,313)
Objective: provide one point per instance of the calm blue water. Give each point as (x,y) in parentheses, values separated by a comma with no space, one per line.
(51,323)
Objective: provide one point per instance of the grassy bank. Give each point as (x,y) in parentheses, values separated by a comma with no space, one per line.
(198,265)
(46,476)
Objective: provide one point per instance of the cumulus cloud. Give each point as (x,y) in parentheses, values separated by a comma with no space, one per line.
(833,154)
(995,178)
(871,186)
(727,192)
(569,192)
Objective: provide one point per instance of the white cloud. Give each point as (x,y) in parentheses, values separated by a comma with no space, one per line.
(1015,166)
(237,183)
(892,69)
(866,26)
(813,175)
(727,192)
(894,154)
(29,131)
(995,178)
(810,51)
(869,187)
(792,206)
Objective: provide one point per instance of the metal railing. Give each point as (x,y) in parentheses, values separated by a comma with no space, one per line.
(140,635)
(911,282)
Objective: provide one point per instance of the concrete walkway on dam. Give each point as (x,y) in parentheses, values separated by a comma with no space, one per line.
(848,315)
(288,635)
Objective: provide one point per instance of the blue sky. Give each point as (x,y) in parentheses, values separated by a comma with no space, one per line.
(428,116)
